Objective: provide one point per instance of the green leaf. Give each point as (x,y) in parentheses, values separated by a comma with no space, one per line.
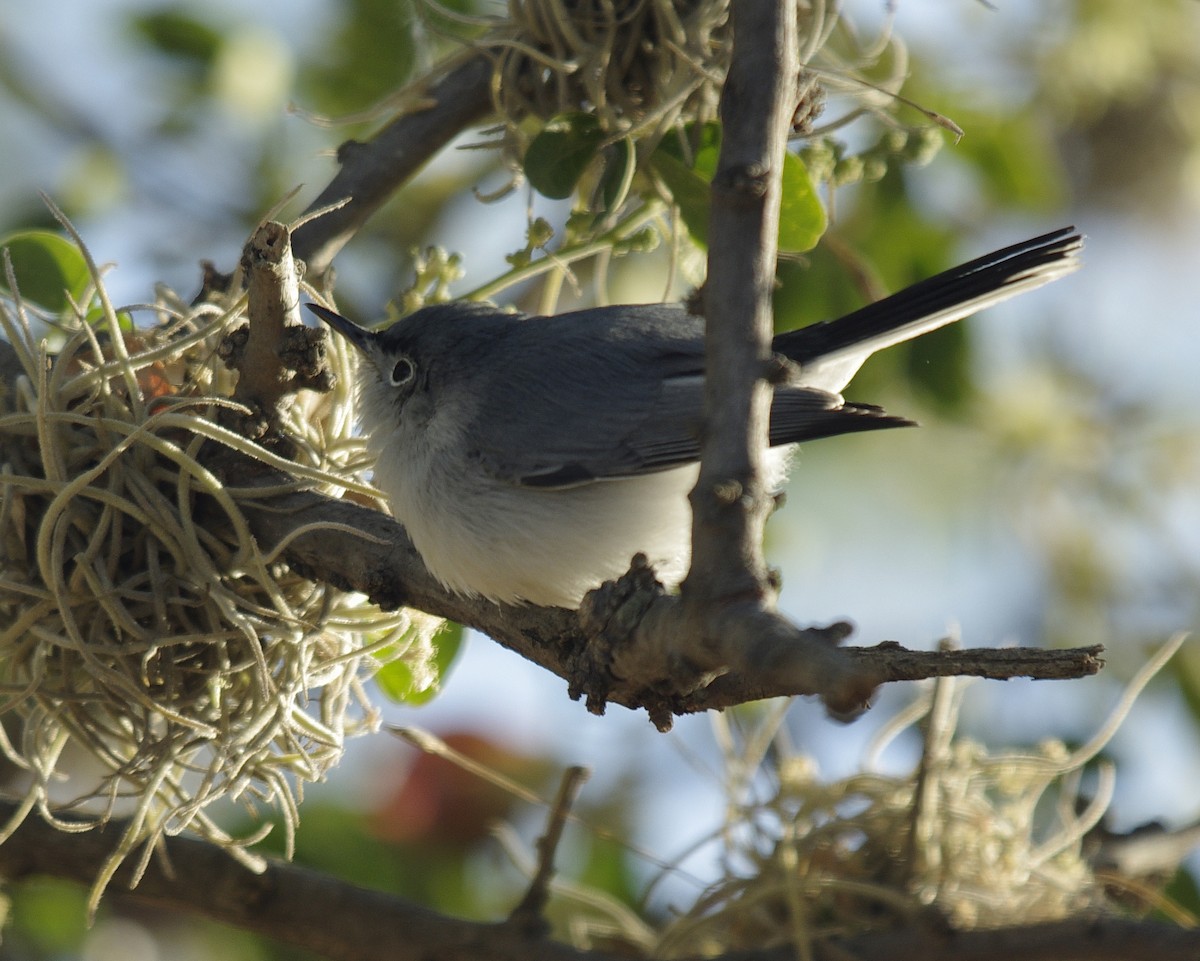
(96,318)
(366,54)
(687,163)
(49,268)
(49,915)
(399,683)
(802,220)
(691,193)
(559,155)
(696,146)
(619,163)
(178,35)
(1183,890)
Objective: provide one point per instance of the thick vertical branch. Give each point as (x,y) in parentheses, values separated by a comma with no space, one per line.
(273,286)
(274,354)
(730,504)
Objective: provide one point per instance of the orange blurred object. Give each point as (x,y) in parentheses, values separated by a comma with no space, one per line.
(440,803)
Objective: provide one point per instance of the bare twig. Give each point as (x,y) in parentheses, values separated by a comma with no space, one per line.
(528,913)
(274,306)
(891,662)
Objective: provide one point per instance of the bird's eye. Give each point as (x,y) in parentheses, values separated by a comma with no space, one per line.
(402,372)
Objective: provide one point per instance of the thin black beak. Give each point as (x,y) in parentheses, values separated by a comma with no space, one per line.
(360,337)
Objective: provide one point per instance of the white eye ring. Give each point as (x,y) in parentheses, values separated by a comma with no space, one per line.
(403,372)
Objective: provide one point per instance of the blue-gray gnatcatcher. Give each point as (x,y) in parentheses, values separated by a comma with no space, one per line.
(529,458)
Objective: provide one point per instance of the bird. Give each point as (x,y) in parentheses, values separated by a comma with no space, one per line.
(529,458)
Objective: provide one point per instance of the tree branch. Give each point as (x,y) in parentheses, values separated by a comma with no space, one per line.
(529,912)
(627,659)
(290,904)
(1075,939)
(275,354)
(344,922)
(371,172)
(726,626)
(730,504)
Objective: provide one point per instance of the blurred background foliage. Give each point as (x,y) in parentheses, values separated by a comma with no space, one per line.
(166,130)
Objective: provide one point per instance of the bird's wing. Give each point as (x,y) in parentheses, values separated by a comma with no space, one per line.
(829,353)
(629,389)
(604,369)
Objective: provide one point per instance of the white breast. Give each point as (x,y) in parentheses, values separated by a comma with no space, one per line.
(481,536)
(484,537)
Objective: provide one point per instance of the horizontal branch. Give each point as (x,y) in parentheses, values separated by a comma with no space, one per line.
(896,663)
(1074,939)
(293,905)
(628,647)
(344,922)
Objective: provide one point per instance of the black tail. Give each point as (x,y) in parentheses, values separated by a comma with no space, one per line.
(970,286)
